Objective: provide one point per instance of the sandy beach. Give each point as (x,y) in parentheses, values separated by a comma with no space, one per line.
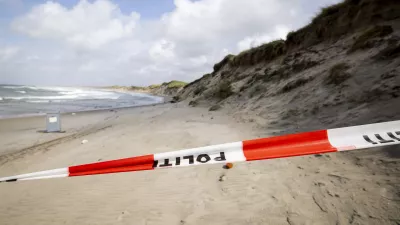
(132,79)
(339,188)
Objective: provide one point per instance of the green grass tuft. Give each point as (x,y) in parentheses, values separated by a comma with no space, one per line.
(363,41)
(390,52)
(153,86)
(294,84)
(176,84)
(214,108)
(264,52)
(199,90)
(227,59)
(224,91)
(328,11)
(338,74)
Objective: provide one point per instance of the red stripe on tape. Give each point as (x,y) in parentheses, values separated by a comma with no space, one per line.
(114,170)
(129,164)
(288,145)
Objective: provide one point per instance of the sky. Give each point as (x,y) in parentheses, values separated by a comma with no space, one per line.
(135,42)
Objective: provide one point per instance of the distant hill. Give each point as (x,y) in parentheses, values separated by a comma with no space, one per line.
(166,89)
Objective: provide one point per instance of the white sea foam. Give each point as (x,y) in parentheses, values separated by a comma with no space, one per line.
(41,97)
(31,87)
(62,93)
(20,87)
(12,87)
(38,101)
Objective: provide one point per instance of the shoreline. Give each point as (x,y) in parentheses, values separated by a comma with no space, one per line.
(166,100)
(71,101)
(21,138)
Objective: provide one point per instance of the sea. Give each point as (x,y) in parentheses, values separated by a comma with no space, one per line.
(20,101)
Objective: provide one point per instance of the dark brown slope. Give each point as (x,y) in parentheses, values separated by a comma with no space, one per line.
(341,69)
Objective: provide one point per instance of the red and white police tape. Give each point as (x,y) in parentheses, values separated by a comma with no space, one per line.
(315,142)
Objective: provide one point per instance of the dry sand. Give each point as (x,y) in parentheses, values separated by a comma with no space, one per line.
(337,188)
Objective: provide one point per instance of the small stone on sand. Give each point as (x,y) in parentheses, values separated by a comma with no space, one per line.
(228,166)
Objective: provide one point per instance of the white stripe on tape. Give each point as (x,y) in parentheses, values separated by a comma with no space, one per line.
(45,177)
(38,174)
(365,136)
(231,152)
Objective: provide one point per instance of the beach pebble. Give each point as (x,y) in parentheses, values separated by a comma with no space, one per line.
(84,141)
(228,166)
(222,178)
(73,114)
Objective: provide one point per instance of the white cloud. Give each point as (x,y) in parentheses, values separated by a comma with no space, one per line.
(162,49)
(8,52)
(95,43)
(257,40)
(253,41)
(87,25)
(201,25)
(199,61)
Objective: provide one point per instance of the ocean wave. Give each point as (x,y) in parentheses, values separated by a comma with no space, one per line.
(21,87)
(38,101)
(48,101)
(61,97)
(58,93)
(90,94)
(42,97)
(62,94)
(42,88)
